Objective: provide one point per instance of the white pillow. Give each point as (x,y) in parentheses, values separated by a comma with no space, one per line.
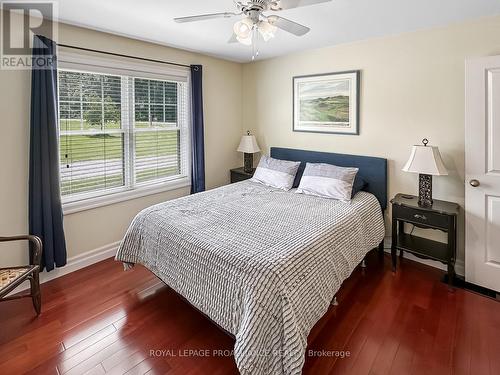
(276,173)
(328,181)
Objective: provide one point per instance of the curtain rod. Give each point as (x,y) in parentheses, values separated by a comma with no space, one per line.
(121,55)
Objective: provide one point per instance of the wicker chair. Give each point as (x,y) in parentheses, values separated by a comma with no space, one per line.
(12,277)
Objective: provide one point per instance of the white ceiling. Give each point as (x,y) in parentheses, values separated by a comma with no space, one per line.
(338,21)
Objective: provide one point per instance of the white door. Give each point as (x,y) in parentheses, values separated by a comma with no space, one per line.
(482,172)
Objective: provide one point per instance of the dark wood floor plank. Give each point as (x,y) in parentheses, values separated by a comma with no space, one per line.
(110,344)
(402,363)
(399,307)
(103,320)
(381,307)
(123,361)
(87,309)
(97,370)
(480,359)
(85,337)
(142,367)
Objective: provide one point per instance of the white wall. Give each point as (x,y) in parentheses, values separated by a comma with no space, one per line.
(412,86)
(89,230)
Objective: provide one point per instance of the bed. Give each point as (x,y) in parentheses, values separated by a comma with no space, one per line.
(262,263)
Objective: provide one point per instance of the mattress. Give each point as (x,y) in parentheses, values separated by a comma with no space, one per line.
(262,263)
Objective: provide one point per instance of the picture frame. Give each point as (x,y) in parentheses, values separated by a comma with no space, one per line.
(327,103)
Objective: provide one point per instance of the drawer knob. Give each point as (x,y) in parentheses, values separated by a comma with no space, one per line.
(421,217)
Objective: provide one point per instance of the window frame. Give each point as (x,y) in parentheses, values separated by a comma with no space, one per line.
(141,70)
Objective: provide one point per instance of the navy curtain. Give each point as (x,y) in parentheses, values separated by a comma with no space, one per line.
(45,209)
(198,149)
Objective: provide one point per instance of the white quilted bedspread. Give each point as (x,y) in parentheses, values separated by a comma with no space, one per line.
(262,263)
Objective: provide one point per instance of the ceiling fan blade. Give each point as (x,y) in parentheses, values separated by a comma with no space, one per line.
(203,17)
(289,4)
(233,39)
(287,25)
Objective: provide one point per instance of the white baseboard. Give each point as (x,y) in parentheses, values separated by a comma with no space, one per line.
(75,263)
(459,264)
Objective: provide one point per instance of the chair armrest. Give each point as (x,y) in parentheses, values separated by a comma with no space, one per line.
(35,249)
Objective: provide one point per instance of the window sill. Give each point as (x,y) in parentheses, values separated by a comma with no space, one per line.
(106,200)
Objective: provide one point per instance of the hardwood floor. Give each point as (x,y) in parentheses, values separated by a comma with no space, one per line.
(103,320)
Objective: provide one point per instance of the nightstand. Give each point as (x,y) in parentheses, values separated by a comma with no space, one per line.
(441,215)
(238,174)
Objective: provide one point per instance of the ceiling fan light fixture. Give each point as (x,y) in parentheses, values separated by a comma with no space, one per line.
(267,30)
(243,28)
(256,21)
(246,41)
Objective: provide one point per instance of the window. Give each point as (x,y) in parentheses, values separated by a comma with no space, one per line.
(120,133)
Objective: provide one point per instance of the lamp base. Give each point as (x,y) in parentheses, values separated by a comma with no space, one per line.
(248,162)
(425,190)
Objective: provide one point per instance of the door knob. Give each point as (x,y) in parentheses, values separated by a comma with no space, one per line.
(474,183)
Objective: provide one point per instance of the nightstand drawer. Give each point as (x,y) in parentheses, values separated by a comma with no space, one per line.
(236,177)
(427,218)
(239,174)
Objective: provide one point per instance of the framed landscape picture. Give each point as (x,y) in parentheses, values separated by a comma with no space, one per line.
(327,103)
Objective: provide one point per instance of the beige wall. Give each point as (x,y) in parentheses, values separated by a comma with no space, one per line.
(412,86)
(88,230)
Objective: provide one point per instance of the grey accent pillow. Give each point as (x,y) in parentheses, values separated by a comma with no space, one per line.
(276,173)
(328,181)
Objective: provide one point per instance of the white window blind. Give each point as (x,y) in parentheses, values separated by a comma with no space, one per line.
(120,132)
(157,136)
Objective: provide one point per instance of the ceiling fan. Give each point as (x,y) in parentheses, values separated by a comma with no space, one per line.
(255,22)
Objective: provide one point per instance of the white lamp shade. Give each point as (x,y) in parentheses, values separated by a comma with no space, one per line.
(243,28)
(266,30)
(248,144)
(425,160)
(246,41)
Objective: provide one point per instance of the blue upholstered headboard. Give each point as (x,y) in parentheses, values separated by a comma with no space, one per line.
(372,169)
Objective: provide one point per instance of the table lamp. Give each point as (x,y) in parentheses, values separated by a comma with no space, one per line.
(426,161)
(248,145)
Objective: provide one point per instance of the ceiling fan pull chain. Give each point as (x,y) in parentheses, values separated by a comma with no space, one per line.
(256,38)
(254,42)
